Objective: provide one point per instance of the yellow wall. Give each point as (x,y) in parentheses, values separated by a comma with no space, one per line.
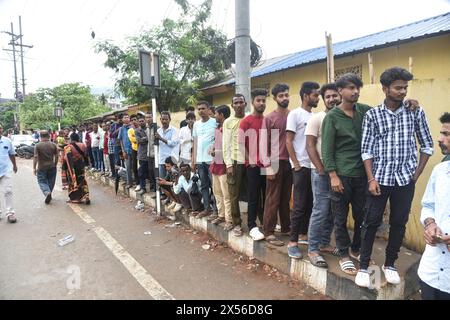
(431,87)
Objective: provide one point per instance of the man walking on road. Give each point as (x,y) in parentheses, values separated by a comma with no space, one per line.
(46,160)
(7,166)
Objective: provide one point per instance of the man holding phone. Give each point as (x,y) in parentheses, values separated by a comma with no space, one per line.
(434,268)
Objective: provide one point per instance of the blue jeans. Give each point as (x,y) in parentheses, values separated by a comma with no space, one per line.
(128,166)
(46,180)
(205,183)
(321,221)
(95,152)
(101,163)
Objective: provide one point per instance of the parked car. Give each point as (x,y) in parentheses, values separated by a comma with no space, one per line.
(22,139)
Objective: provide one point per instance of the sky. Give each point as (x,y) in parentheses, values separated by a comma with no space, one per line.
(63,49)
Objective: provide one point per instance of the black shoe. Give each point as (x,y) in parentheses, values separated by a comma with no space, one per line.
(88,202)
(48,198)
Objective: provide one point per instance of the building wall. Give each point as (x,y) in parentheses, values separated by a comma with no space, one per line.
(431,69)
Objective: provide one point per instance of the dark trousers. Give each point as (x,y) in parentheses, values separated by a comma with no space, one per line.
(354,194)
(193,201)
(91,157)
(303,203)
(234,188)
(256,195)
(134,166)
(152,174)
(112,160)
(278,196)
(205,183)
(430,293)
(143,173)
(400,199)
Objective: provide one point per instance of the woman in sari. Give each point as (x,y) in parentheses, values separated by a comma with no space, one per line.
(61,141)
(74,158)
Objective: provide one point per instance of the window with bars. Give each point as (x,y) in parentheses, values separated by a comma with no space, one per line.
(353,69)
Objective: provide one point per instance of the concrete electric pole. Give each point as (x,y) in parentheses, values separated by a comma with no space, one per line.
(243,68)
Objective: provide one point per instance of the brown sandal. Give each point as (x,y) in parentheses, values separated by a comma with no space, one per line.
(274,241)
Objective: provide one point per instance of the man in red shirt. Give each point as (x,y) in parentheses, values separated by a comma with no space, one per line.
(279,172)
(249,134)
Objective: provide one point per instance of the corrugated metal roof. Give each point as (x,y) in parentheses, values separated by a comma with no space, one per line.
(422,28)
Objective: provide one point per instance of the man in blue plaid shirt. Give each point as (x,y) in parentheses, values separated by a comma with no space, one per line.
(389,153)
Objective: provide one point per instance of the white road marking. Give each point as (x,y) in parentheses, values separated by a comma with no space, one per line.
(154,289)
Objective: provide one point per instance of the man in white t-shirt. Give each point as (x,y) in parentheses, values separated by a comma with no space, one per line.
(186,139)
(203,134)
(321,222)
(296,145)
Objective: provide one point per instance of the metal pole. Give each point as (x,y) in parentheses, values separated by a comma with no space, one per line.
(13,43)
(21,56)
(330,58)
(156,146)
(242,53)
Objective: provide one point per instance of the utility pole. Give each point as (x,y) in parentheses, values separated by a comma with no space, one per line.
(13,43)
(21,55)
(242,53)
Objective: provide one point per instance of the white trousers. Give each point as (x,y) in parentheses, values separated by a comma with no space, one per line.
(6,193)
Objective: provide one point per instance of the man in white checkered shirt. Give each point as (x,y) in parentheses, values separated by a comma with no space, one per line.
(389,153)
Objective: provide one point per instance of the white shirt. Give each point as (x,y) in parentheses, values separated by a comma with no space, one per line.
(434,268)
(95,139)
(296,123)
(205,133)
(185,143)
(314,128)
(184,185)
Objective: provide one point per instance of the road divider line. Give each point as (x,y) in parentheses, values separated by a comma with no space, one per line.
(145,279)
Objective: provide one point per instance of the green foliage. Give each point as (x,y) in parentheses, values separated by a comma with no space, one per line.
(7,111)
(78,103)
(191,53)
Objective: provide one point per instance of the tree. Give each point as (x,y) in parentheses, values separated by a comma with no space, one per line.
(191,53)
(7,111)
(77,101)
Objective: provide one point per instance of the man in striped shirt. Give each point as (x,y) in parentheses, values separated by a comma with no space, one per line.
(389,153)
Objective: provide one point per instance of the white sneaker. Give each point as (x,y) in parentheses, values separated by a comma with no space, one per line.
(177,207)
(363,278)
(138,188)
(391,275)
(256,234)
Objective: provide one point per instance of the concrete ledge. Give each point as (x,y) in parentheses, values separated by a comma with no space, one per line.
(331,282)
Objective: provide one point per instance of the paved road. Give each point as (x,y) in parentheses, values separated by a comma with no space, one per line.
(112,258)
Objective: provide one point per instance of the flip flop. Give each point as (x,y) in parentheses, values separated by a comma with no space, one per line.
(334,252)
(318,261)
(348,267)
(274,241)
